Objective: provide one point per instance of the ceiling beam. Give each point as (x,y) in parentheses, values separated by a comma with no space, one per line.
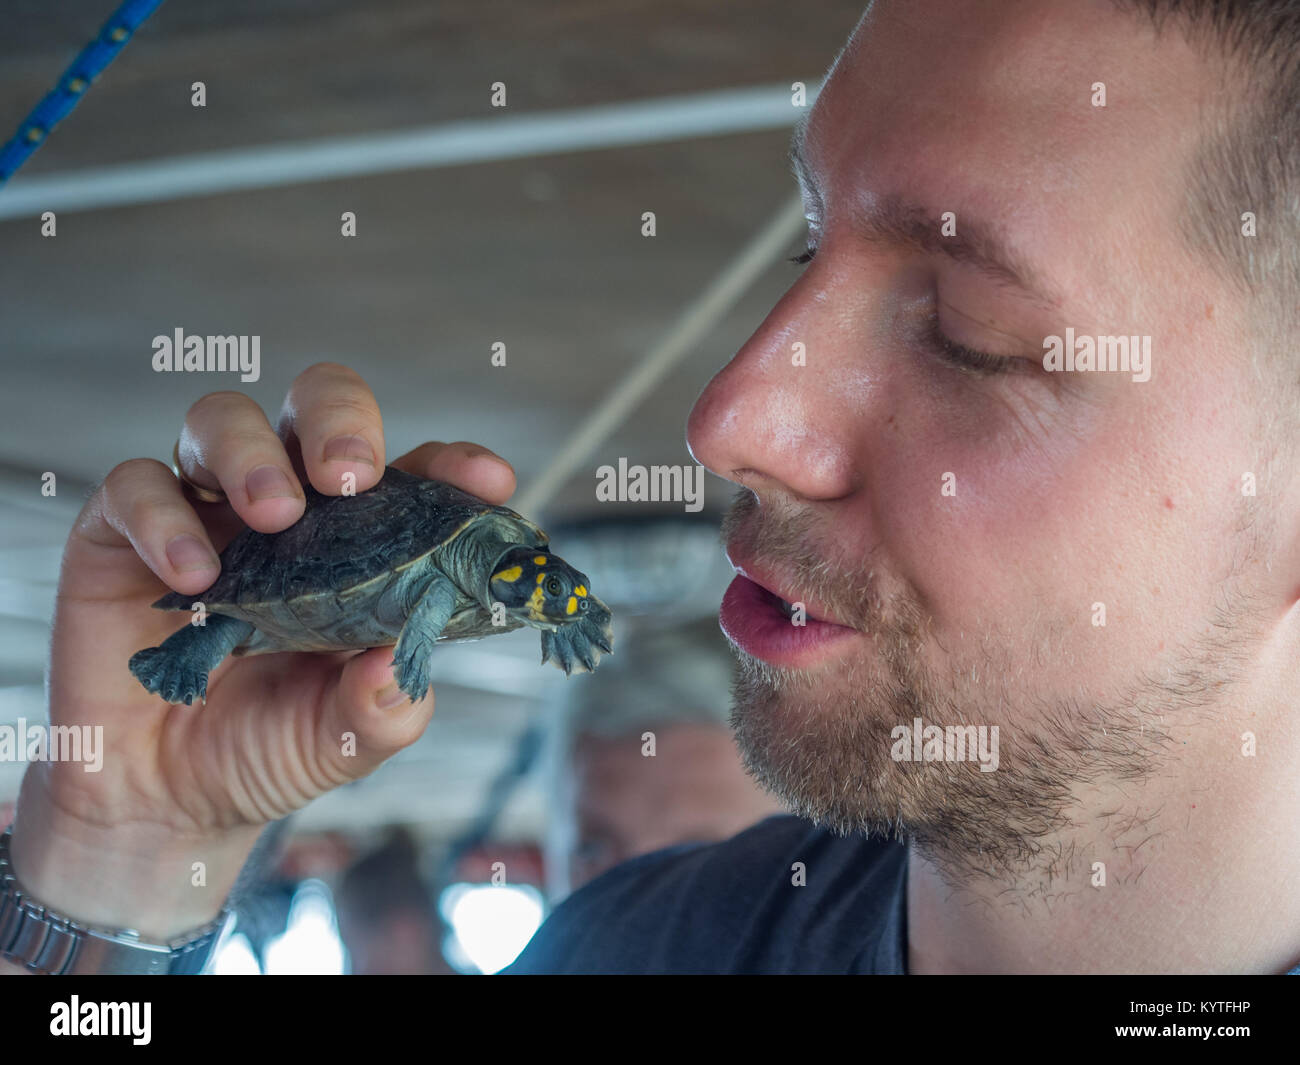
(481,140)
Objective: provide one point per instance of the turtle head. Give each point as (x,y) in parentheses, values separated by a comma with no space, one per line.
(540,588)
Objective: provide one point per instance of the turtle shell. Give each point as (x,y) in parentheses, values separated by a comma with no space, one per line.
(343,542)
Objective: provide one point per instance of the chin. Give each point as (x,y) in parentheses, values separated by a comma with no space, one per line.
(820,741)
(822,744)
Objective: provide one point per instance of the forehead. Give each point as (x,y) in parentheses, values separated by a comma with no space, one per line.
(988,108)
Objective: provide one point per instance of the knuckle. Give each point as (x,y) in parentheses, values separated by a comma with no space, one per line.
(325,373)
(240,446)
(137,511)
(129,469)
(426,451)
(219,404)
(129,488)
(350,411)
(130,474)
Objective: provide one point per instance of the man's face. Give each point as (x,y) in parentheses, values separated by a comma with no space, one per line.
(974,598)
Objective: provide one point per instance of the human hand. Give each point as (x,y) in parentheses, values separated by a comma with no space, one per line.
(185,784)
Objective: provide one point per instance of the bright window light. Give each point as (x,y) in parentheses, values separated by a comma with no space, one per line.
(310,944)
(236,958)
(492,924)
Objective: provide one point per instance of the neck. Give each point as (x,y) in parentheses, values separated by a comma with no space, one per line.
(1197,865)
(470,561)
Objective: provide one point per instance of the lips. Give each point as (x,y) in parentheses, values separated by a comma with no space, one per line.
(779,587)
(755,616)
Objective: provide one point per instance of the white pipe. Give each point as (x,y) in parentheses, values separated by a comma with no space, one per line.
(691,327)
(493,137)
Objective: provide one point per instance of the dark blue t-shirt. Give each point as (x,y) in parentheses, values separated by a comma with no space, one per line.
(737,907)
(733,907)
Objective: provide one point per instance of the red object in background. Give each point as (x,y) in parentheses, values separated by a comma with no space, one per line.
(522,864)
(320,855)
(6,813)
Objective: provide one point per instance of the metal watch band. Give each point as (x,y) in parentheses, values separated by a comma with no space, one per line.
(48,943)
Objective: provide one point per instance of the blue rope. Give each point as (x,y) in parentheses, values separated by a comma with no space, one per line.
(72,86)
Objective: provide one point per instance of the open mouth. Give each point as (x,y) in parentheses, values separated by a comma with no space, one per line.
(786,608)
(767,626)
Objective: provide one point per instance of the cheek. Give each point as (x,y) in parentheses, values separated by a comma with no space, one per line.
(1020,531)
(967,502)
(990,497)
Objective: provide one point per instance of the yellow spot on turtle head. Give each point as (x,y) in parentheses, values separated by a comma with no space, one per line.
(541,577)
(572,606)
(539,560)
(512,574)
(535,606)
(580,590)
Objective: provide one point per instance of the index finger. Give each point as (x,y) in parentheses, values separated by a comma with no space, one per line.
(332,416)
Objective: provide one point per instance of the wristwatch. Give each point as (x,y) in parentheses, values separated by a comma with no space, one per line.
(46,942)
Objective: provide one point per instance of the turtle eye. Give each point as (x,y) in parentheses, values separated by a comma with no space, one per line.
(553,586)
(582,605)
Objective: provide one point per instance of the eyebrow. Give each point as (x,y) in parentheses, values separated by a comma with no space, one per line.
(902,224)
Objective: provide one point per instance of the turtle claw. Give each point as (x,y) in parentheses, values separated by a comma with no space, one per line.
(549,651)
(598,627)
(577,646)
(178,670)
(411,661)
(556,648)
(169,676)
(412,678)
(587,654)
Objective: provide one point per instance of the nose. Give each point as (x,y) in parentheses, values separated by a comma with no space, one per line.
(785,415)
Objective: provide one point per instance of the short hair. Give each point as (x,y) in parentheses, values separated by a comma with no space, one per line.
(1249,159)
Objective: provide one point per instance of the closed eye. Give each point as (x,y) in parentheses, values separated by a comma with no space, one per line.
(979,363)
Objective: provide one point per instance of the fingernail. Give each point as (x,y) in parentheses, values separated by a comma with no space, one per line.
(350,449)
(187,553)
(268,482)
(389,697)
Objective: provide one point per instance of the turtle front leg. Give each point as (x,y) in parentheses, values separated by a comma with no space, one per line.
(178,669)
(415,643)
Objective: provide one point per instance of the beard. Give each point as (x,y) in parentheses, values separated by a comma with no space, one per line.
(821,739)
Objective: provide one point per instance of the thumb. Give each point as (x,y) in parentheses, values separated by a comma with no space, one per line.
(368,719)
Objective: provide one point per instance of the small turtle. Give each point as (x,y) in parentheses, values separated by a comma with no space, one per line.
(410,562)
